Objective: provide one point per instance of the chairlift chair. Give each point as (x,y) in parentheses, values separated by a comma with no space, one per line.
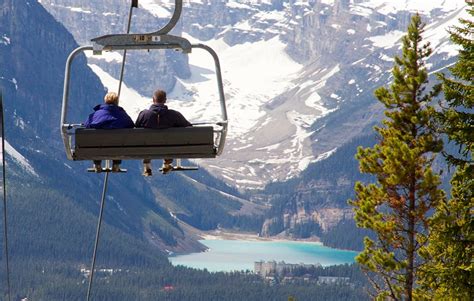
(138,143)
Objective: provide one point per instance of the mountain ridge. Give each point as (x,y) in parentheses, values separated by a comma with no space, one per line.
(309,109)
(294,72)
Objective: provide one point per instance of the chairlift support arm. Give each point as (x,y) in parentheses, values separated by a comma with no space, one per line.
(137,45)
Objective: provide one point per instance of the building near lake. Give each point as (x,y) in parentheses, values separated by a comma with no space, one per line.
(264,269)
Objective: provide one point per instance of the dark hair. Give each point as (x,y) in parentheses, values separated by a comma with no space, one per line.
(159,96)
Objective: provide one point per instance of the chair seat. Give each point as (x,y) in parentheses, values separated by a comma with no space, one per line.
(139,143)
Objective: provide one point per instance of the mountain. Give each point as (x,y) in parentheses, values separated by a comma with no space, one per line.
(33,52)
(299,79)
(32,59)
(298,75)
(52,203)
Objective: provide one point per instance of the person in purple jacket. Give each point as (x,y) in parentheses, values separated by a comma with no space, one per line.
(109,116)
(158,116)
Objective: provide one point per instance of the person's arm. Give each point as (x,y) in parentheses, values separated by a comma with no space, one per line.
(129,122)
(87,124)
(99,121)
(181,121)
(139,122)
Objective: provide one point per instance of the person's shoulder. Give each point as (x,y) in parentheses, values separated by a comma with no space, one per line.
(174,112)
(146,112)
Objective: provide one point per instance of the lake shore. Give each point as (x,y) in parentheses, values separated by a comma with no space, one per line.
(228,251)
(247,236)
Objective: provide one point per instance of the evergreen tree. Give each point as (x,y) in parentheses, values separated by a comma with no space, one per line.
(397,206)
(449,272)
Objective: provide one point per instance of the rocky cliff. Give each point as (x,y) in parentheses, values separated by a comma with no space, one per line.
(299,75)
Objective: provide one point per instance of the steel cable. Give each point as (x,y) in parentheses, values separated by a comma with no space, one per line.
(5,223)
(106,177)
(97,236)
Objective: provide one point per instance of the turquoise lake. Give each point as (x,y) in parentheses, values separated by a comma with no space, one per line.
(232,255)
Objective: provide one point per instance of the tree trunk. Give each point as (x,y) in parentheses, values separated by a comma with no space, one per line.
(411,242)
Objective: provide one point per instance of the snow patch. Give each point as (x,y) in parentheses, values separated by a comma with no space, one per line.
(387,7)
(155,9)
(436,33)
(13,81)
(325,155)
(388,40)
(235,4)
(313,100)
(5,40)
(270,147)
(130,99)
(19,122)
(78,10)
(108,56)
(386,58)
(253,73)
(19,158)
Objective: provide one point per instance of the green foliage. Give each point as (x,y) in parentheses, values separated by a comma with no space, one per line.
(345,235)
(165,233)
(48,251)
(53,280)
(396,207)
(457,119)
(203,208)
(305,230)
(449,272)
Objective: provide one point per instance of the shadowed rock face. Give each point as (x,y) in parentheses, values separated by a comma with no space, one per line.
(34,52)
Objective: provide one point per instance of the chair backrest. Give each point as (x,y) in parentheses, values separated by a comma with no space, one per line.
(139,143)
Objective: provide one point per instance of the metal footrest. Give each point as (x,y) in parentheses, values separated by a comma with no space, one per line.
(106,170)
(182,168)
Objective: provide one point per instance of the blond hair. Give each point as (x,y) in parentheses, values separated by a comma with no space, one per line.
(111,98)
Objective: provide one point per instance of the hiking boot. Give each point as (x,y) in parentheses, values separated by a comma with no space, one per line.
(97,168)
(166,168)
(115,167)
(147,172)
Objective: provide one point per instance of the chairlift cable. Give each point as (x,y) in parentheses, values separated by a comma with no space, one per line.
(5,224)
(133,4)
(97,237)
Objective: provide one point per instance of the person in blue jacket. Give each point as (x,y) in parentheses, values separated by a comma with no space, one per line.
(109,116)
(158,116)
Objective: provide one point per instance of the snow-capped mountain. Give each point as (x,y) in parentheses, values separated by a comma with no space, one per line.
(298,75)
